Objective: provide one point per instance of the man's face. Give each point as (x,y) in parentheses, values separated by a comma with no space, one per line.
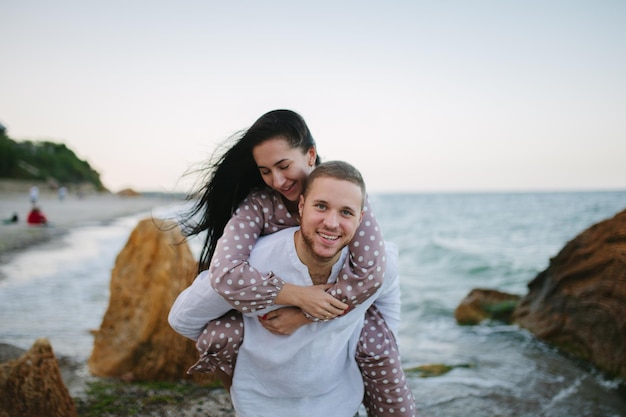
(330,215)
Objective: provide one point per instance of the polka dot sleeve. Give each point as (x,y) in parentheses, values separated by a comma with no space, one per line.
(242,286)
(363,273)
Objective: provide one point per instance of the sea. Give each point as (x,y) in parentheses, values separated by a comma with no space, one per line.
(449,244)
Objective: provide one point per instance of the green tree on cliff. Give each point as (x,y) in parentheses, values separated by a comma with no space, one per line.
(44,161)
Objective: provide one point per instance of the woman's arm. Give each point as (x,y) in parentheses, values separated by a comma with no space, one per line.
(242,286)
(363,272)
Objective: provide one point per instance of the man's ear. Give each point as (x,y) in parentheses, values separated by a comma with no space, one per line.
(361,216)
(300,205)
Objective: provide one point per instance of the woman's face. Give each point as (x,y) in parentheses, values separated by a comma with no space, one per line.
(282,167)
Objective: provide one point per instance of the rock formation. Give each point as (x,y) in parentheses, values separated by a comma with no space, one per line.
(579,302)
(484,304)
(135,341)
(31,386)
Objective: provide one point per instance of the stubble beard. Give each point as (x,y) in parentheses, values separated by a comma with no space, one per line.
(309,243)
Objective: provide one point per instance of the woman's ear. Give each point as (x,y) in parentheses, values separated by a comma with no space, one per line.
(312,156)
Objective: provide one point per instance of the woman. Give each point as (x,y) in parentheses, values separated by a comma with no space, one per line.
(253,189)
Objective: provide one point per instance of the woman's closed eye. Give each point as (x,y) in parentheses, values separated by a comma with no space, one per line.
(267,171)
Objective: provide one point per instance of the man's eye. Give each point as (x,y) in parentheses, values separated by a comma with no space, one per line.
(285,166)
(347,213)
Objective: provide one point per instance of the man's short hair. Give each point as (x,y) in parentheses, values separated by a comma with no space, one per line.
(339,170)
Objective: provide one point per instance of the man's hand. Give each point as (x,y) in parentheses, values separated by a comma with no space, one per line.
(284,321)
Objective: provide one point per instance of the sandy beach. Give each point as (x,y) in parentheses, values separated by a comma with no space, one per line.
(62,215)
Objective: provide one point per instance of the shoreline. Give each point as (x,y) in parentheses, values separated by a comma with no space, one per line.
(63,215)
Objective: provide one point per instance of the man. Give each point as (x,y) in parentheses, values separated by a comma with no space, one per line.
(310,371)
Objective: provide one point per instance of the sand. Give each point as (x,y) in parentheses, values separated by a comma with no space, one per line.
(64,214)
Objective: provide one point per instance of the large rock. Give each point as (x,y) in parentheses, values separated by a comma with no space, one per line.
(579,302)
(32,385)
(135,341)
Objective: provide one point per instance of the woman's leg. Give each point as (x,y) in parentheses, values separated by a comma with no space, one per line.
(386,389)
(218,346)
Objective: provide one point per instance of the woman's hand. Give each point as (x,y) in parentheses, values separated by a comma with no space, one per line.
(313,299)
(284,321)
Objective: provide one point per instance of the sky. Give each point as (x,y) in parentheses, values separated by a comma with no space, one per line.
(421,96)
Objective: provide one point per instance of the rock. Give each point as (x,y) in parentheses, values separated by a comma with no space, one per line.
(135,341)
(579,302)
(484,304)
(128,192)
(434,369)
(32,385)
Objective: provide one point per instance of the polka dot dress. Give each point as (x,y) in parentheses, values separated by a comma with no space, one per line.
(386,389)
(219,343)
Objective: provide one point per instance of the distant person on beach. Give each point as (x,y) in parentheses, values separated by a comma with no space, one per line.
(36,217)
(309,368)
(34,194)
(11,220)
(62,192)
(252,189)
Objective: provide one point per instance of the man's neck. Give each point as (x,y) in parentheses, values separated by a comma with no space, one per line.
(319,268)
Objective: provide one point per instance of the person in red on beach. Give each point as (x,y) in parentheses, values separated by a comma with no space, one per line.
(251,190)
(36,217)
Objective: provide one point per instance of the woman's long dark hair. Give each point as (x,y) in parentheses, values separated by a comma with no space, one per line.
(232,174)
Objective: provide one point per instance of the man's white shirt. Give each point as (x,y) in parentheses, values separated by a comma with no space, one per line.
(310,373)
